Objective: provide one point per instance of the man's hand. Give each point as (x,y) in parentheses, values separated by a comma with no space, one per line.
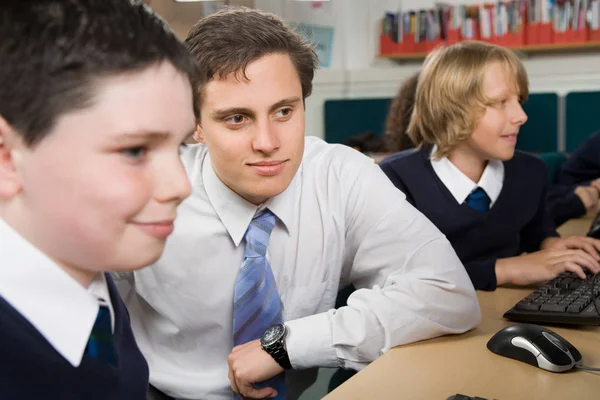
(250,364)
(588,196)
(543,266)
(587,244)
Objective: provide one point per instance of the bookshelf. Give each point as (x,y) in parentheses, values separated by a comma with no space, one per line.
(528,49)
(526,26)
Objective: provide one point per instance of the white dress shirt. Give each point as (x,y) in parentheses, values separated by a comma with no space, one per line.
(461,185)
(341,220)
(60,308)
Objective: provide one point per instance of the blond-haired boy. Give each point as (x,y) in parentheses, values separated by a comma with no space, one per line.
(467,178)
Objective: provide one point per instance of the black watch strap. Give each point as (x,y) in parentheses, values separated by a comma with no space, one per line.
(273,342)
(280,355)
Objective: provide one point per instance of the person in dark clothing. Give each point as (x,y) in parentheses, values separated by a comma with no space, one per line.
(577,185)
(466,177)
(571,201)
(582,167)
(95,101)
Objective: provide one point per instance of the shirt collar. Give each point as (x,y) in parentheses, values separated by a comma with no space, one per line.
(99,289)
(60,308)
(236,213)
(460,186)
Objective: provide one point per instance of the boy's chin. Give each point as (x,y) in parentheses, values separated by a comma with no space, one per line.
(150,256)
(504,155)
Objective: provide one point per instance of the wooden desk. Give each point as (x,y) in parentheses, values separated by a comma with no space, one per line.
(438,368)
(578,227)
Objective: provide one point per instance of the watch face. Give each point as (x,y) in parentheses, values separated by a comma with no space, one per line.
(272,335)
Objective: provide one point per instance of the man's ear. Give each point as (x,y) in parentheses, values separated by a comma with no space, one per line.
(10,184)
(199,134)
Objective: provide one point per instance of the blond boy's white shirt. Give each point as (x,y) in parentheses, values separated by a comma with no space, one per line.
(460,185)
(61,309)
(341,220)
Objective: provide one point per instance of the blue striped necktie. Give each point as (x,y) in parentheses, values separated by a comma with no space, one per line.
(478,200)
(101,344)
(256,300)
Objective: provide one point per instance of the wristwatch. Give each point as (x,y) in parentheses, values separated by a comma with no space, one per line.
(273,342)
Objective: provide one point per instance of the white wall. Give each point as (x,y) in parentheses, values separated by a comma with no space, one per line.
(355,70)
(182,16)
(357,73)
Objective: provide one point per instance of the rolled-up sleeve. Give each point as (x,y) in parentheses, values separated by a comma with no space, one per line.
(410,283)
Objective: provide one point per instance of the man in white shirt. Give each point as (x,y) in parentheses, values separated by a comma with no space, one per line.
(337,220)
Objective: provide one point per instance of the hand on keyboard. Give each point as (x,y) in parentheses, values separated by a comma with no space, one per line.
(566,299)
(588,244)
(543,265)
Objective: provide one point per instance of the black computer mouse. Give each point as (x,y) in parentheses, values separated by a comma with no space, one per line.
(535,345)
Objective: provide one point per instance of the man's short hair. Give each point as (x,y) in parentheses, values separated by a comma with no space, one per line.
(227,41)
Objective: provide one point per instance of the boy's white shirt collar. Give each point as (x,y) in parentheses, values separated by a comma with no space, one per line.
(62,310)
(461,186)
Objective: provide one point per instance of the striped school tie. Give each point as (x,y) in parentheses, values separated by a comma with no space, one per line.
(101,345)
(478,200)
(256,300)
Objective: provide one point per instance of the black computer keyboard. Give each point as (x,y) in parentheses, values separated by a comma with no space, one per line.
(567,299)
